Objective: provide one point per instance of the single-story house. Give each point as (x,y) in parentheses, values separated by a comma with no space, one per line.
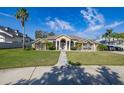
(65,42)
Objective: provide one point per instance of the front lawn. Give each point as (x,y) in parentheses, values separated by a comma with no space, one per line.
(11,58)
(95,58)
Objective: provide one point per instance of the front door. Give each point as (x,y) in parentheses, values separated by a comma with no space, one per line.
(63,44)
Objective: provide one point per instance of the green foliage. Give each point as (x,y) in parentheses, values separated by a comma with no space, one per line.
(28,47)
(121,35)
(74,63)
(51,46)
(110,34)
(73,48)
(51,34)
(78,45)
(38,34)
(43,34)
(22,15)
(102,47)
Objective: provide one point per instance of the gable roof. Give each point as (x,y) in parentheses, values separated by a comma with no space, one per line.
(70,36)
(63,35)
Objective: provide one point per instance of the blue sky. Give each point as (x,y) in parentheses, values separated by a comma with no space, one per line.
(84,22)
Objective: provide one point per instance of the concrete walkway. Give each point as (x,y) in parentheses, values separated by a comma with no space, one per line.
(62,59)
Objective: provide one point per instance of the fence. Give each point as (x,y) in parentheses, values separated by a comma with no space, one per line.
(10,45)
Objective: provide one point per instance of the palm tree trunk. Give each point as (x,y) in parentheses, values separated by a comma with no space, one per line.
(105,40)
(23,44)
(113,40)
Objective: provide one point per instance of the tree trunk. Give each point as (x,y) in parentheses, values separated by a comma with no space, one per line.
(109,40)
(113,40)
(23,44)
(105,40)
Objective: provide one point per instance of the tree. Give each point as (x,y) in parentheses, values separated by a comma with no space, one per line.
(105,36)
(51,34)
(109,34)
(102,47)
(114,35)
(38,34)
(22,15)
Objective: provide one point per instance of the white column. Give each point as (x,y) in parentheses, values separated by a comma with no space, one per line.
(59,45)
(74,43)
(82,47)
(66,46)
(56,44)
(94,46)
(69,44)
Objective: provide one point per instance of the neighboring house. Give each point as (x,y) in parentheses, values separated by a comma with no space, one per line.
(64,42)
(112,44)
(10,36)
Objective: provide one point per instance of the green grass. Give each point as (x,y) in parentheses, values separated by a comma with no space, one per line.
(95,58)
(12,58)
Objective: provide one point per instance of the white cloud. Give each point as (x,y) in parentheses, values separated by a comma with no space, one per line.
(57,24)
(92,16)
(7,15)
(115,24)
(95,28)
(96,20)
(88,34)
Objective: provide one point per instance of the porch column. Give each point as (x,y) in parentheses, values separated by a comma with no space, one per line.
(66,45)
(56,44)
(74,43)
(82,47)
(69,44)
(94,46)
(59,45)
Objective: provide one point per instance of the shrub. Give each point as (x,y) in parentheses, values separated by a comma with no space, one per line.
(74,64)
(73,48)
(27,47)
(78,45)
(51,46)
(102,47)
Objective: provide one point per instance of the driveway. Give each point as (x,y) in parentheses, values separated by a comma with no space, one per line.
(63,74)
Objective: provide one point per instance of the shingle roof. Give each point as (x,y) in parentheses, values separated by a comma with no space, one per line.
(76,38)
(51,37)
(72,37)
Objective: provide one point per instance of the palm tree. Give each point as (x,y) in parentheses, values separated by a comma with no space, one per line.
(22,15)
(109,34)
(105,35)
(114,35)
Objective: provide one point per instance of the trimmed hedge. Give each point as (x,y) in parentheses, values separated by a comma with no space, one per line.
(102,47)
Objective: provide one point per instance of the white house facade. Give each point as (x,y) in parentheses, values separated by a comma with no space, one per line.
(65,42)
